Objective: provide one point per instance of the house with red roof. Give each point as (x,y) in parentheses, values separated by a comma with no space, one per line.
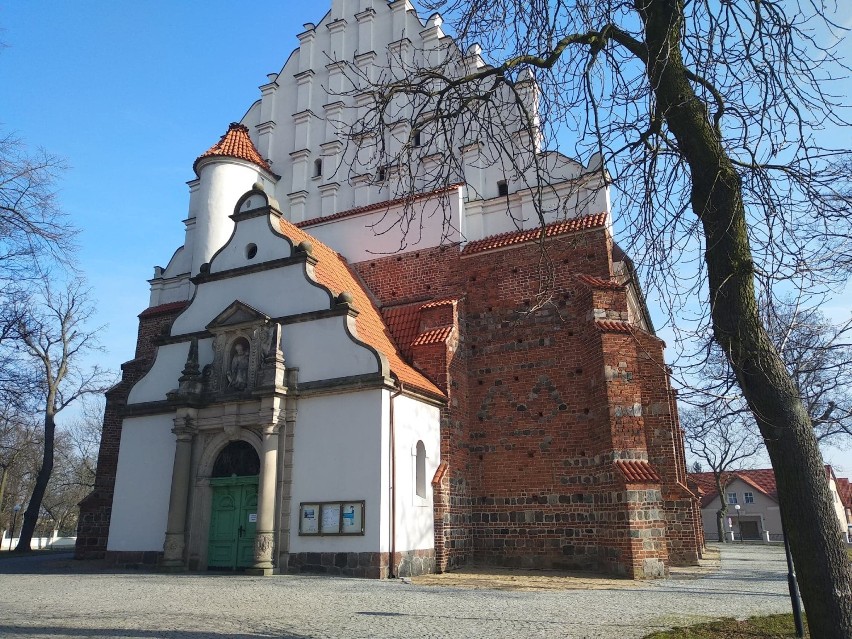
(753,509)
(347,368)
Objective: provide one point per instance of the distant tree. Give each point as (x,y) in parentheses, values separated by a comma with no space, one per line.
(18,446)
(818,354)
(702,115)
(696,467)
(57,338)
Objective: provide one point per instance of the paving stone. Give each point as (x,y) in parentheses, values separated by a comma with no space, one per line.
(47,597)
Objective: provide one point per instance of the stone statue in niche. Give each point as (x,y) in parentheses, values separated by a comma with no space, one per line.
(237,374)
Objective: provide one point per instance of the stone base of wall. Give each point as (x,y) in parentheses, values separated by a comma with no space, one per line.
(587,561)
(133,558)
(372,565)
(412,563)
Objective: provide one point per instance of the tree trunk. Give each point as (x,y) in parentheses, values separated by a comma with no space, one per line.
(824,573)
(721,487)
(43,477)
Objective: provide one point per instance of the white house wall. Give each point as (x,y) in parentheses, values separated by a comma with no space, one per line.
(763,507)
(415,421)
(340,454)
(142,485)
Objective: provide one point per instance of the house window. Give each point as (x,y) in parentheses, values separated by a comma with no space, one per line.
(748,497)
(381,175)
(318,167)
(416,137)
(420,471)
(502,188)
(732,498)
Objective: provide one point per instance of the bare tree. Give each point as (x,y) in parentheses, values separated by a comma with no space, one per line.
(702,114)
(32,226)
(818,354)
(57,339)
(725,440)
(18,444)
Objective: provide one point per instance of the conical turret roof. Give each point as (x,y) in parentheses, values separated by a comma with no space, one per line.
(236,143)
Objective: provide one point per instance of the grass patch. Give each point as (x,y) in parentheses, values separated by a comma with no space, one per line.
(849,553)
(771,627)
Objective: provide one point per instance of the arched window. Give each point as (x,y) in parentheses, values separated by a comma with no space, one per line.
(420,471)
(318,167)
(237,459)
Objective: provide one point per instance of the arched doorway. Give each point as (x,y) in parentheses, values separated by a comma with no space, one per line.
(233,516)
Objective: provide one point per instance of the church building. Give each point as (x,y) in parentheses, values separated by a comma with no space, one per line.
(353,369)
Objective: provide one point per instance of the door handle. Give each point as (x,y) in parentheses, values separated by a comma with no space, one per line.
(240,532)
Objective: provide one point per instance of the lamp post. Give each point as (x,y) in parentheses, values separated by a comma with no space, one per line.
(15,510)
(739,525)
(792,585)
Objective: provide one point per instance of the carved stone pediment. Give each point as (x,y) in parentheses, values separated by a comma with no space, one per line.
(235,315)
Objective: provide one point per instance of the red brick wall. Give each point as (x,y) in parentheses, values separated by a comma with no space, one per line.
(540,404)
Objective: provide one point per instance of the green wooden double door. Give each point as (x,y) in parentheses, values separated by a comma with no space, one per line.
(233,522)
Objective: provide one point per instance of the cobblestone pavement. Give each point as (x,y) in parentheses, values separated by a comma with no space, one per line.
(51,596)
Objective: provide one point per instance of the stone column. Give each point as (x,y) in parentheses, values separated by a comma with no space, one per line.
(263,541)
(176,524)
(286,437)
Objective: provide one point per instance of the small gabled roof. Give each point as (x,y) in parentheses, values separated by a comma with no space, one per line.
(236,143)
(333,271)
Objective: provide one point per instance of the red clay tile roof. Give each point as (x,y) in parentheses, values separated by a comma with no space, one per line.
(637,471)
(551,230)
(613,326)
(844,490)
(599,282)
(433,336)
(404,324)
(334,272)
(163,308)
(762,479)
(236,143)
(378,206)
(444,302)
(439,473)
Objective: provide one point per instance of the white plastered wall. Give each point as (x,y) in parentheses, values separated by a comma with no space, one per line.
(415,421)
(254,231)
(221,183)
(322,350)
(341,453)
(275,292)
(142,485)
(373,235)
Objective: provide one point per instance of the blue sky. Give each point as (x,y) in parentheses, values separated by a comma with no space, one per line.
(130,94)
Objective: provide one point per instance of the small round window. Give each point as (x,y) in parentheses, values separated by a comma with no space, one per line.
(251,251)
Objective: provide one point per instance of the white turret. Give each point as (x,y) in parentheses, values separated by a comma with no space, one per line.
(226,171)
